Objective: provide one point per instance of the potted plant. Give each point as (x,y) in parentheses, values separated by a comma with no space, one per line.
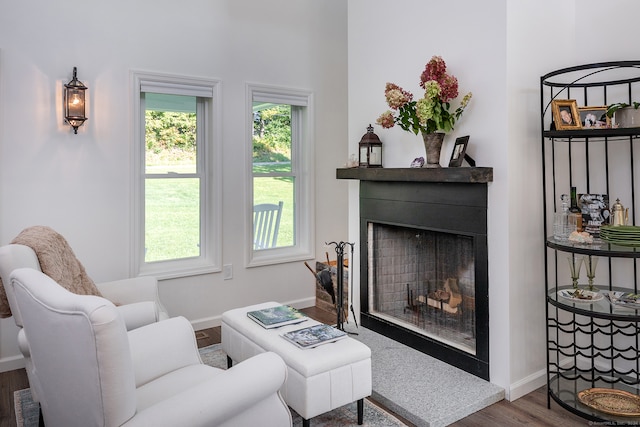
(624,115)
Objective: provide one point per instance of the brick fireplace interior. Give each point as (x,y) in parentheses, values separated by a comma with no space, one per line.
(423,260)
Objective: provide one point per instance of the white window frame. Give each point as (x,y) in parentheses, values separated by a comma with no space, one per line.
(302,129)
(209,159)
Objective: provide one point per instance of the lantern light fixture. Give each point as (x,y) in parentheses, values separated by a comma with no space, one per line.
(74,102)
(370,150)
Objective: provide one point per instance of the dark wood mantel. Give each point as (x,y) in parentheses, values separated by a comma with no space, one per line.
(470,175)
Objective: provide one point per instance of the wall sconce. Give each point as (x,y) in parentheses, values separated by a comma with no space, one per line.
(74,105)
(370,150)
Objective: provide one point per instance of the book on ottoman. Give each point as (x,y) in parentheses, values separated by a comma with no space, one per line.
(314,336)
(274,317)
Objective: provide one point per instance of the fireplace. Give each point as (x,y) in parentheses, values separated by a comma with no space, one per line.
(424,262)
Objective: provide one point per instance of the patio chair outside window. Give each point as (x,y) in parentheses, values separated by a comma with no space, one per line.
(266,223)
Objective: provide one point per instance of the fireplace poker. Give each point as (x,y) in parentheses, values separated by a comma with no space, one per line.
(351,288)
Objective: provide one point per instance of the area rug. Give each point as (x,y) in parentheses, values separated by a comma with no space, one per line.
(27,410)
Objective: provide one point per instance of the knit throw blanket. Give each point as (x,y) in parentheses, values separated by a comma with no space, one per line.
(57,261)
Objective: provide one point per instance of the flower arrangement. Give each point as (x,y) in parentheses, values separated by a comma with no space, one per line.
(430,113)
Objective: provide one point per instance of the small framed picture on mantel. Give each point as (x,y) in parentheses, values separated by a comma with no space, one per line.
(459,152)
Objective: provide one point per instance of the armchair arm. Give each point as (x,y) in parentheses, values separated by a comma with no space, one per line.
(133,290)
(162,347)
(228,399)
(138,314)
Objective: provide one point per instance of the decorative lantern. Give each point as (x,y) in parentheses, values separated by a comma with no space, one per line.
(74,105)
(370,150)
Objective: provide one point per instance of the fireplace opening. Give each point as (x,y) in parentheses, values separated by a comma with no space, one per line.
(424,281)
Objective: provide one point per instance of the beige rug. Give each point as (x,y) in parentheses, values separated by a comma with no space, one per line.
(27,410)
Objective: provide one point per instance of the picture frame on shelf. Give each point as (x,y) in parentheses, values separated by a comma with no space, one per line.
(595,212)
(594,117)
(565,114)
(459,151)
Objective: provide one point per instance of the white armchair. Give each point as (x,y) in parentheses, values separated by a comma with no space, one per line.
(137,298)
(92,372)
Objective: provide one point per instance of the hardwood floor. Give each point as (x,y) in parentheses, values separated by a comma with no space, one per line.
(529,410)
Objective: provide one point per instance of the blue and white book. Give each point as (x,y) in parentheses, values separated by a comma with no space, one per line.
(314,336)
(274,317)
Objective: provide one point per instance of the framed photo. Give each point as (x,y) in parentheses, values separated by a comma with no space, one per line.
(565,114)
(594,117)
(459,151)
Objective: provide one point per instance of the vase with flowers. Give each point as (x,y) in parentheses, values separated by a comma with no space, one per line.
(431,115)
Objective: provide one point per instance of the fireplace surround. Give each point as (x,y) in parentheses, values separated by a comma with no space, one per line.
(424,260)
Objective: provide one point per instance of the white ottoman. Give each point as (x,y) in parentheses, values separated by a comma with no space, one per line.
(318,379)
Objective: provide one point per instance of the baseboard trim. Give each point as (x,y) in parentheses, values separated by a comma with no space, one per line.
(526,385)
(11,363)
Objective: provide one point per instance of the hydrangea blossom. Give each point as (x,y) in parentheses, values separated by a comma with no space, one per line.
(430,113)
(386,119)
(396,96)
(434,70)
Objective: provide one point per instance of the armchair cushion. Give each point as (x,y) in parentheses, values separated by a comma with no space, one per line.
(161,348)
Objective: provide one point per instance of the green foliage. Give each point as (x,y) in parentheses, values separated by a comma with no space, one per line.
(168,130)
(272,134)
(611,109)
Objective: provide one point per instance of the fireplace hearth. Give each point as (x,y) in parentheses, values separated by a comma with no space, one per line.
(424,262)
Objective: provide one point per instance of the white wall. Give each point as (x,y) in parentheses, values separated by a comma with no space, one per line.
(81,184)
(498,50)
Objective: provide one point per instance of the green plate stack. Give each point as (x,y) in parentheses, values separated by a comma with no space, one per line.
(625,235)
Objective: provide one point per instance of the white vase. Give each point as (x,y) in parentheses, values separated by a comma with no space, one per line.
(627,117)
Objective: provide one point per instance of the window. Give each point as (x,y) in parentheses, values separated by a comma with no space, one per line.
(281,166)
(177,175)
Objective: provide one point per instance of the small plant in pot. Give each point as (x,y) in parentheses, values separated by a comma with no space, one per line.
(626,115)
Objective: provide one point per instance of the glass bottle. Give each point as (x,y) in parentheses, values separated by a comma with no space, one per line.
(574,210)
(561,220)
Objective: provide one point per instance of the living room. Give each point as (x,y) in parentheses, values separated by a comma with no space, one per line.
(343,52)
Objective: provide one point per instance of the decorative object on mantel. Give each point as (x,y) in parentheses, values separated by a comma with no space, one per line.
(353,161)
(432,146)
(370,150)
(429,115)
(459,153)
(418,162)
